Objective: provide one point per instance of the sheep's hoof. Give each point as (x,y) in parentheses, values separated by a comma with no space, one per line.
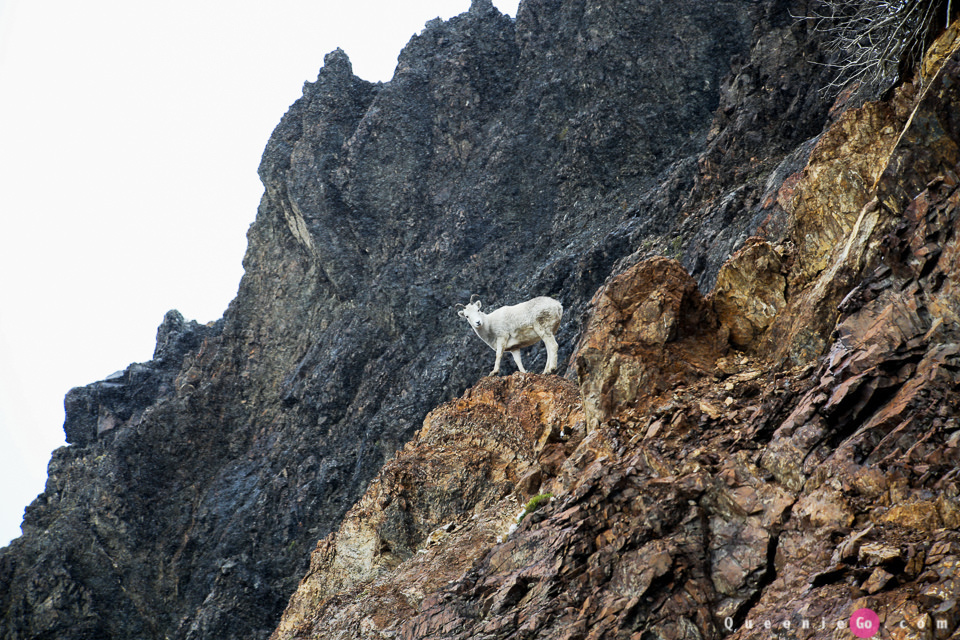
(494,372)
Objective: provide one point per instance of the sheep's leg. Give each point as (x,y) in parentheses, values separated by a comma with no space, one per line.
(496,365)
(543,330)
(516,358)
(551,343)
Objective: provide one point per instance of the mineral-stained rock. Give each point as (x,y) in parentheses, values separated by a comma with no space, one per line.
(759,111)
(877,581)
(827,203)
(650,330)
(874,554)
(615,568)
(879,409)
(864,172)
(921,514)
(824,508)
(812,492)
(749,292)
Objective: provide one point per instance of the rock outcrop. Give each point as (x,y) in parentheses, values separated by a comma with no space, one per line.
(779,447)
(122,399)
(438,506)
(727,493)
(750,292)
(650,331)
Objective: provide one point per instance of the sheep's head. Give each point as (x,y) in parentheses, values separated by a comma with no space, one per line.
(471,312)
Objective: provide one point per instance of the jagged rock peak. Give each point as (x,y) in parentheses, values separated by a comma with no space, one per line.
(176,336)
(121,399)
(167,332)
(336,75)
(337,63)
(481,6)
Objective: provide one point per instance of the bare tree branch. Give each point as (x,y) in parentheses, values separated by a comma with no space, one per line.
(874,43)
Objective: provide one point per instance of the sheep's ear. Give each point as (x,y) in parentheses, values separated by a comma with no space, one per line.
(460,313)
(479,304)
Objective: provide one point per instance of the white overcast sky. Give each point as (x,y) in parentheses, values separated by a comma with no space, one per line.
(130,134)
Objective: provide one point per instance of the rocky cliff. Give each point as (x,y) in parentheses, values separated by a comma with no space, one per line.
(766,459)
(780,378)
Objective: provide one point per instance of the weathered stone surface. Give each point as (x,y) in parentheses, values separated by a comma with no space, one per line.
(863,173)
(123,397)
(922,514)
(877,581)
(874,420)
(873,554)
(824,507)
(828,201)
(750,292)
(650,330)
(508,158)
(443,501)
(763,132)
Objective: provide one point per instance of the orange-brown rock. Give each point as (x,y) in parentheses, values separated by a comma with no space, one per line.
(836,225)
(875,432)
(650,330)
(750,292)
(863,174)
(826,204)
(438,505)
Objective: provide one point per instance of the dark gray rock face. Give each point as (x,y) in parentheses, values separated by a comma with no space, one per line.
(122,398)
(506,158)
(770,114)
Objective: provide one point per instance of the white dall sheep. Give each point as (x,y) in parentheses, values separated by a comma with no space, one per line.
(517,327)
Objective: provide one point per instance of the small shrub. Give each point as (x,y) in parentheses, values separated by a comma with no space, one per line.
(676,248)
(534,504)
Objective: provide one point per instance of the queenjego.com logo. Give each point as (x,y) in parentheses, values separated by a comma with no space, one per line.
(862,623)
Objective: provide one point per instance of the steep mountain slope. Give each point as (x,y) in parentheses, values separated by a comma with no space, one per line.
(698,491)
(506,158)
